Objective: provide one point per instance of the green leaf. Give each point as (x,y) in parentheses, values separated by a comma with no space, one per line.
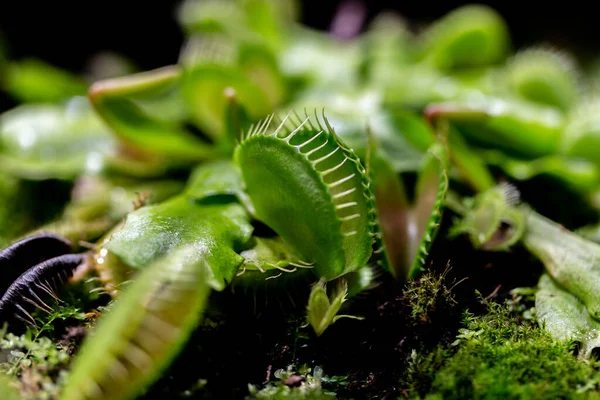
(124,105)
(389,46)
(308,51)
(470,164)
(581,136)
(53,141)
(212,222)
(565,317)
(517,127)
(237,122)
(590,232)
(261,66)
(426,215)
(211,16)
(97,204)
(34,81)
(144,331)
(261,21)
(204,87)
(571,260)
(469,36)
(543,76)
(578,174)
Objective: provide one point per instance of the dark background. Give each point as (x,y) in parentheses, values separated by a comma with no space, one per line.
(67,33)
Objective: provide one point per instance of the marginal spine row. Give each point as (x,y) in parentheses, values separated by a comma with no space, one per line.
(328,158)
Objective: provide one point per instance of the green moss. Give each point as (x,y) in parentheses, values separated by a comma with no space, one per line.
(36,360)
(495,356)
(429,295)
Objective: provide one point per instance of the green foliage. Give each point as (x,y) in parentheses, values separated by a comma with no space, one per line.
(46,141)
(569,259)
(495,356)
(34,81)
(566,318)
(581,134)
(129,106)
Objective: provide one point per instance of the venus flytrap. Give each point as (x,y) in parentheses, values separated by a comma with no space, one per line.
(449,43)
(323,308)
(291,170)
(579,175)
(543,76)
(297,177)
(154,110)
(525,140)
(581,137)
(407,229)
(140,335)
(444,66)
(114,100)
(490,219)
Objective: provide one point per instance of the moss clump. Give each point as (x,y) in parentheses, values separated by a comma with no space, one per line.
(496,356)
(429,296)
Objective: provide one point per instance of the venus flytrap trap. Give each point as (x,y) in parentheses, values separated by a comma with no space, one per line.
(490,219)
(323,309)
(448,43)
(152,321)
(299,167)
(544,76)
